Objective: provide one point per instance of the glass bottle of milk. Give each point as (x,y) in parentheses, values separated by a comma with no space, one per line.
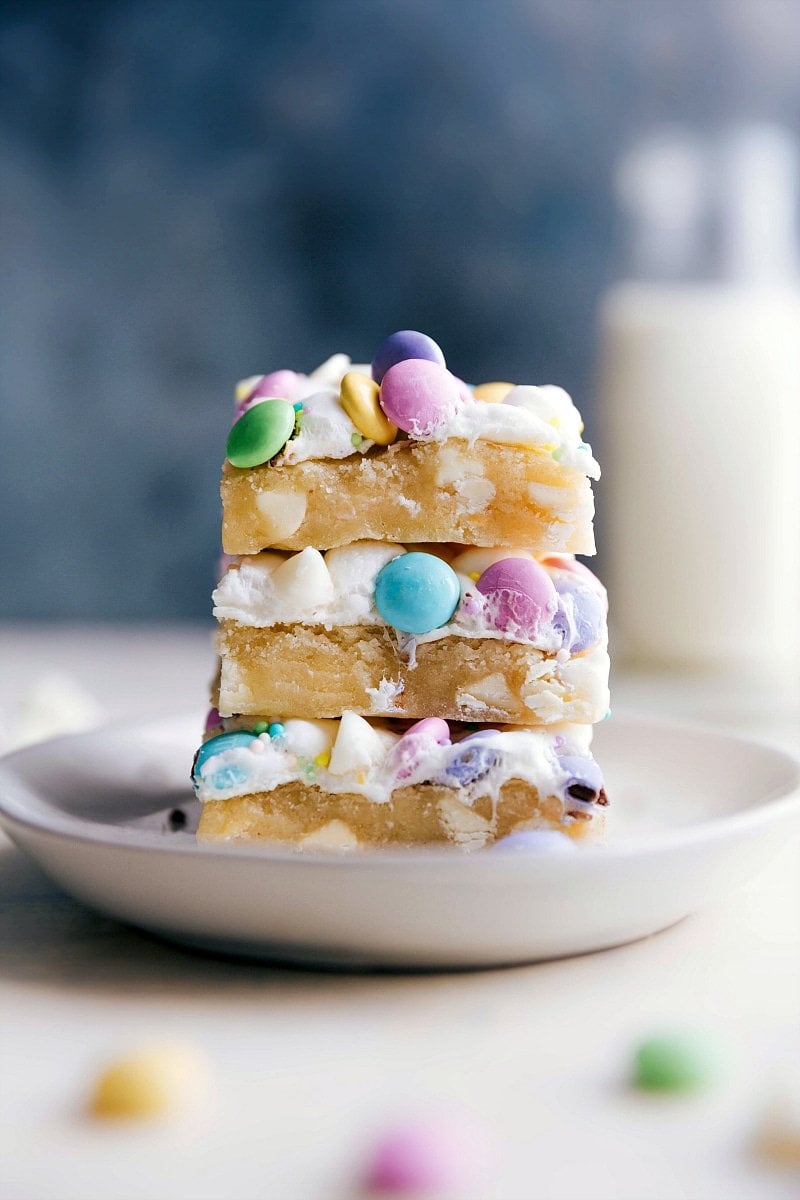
(700,410)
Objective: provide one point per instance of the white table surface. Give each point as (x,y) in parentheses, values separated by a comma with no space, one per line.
(308,1065)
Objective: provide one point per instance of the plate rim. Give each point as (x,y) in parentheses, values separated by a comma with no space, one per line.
(65,827)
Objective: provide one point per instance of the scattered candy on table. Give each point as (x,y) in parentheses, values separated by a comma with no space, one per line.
(260,433)
(405,344)
(432,1157)
(677,1062)
(417,592)
(419,396)
(778,1136)
(159,1081)
(360,399)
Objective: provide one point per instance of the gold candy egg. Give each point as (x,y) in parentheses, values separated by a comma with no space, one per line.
(492,393)
(360,399)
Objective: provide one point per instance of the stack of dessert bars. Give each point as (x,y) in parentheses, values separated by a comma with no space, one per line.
(409,651)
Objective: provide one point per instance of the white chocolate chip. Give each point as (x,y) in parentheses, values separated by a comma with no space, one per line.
(302,584)
(463,825)
(353,567)
(475,494)
(330,372)
(282,513)
(358,746)
(336,835)
(307,739)
(491,691)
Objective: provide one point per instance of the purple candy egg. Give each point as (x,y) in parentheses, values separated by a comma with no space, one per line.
(213,720)
(470,763)
(584,779)
(521,596)
(535,841)
(581,614)
(432,727)
(419,397)
(406,343)
(479,733)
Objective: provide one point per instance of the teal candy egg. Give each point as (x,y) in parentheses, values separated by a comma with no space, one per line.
(228,777)
(260,433)
(218,745)
(417,592)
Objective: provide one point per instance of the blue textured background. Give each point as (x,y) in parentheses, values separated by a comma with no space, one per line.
(198,190)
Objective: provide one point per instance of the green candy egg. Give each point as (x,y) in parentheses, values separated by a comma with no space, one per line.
(260,433)
(678,1062)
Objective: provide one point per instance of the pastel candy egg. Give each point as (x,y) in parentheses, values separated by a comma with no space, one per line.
(568,562)
(536,841)
(260,433)
(156,1081)
(406,755)
(480,558)
(521,596)
(419,396)
(680,1062)
(417,592)
(432,727)
(360,399)
(470,763)
(427,1158)
(406,343)
(492,393)
(213,720)
(584,778)
(227,777)
(218,745)
(580,615)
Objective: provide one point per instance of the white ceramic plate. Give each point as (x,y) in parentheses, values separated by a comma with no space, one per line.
(693,815)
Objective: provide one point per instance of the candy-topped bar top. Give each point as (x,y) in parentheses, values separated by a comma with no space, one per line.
(373,759)
(553,602)
(406,393)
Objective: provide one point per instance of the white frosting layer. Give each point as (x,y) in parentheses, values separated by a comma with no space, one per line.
(337,589)
(541,417)
(356,756)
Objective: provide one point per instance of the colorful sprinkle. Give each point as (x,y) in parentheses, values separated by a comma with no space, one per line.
(261,727)
(322,760)
(276,729)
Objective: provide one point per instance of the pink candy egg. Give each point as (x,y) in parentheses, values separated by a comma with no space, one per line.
(520,596)
(283,384)
(424,1158)
(419,396)
(432,727)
